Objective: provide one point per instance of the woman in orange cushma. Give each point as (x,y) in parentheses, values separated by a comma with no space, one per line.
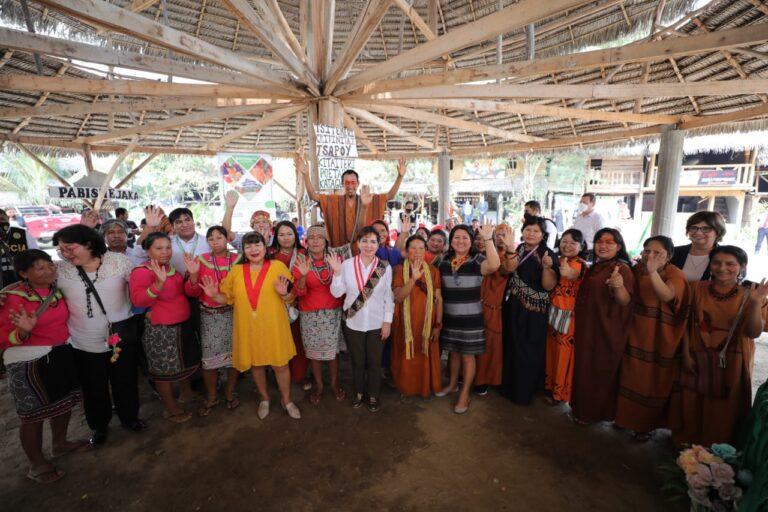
(651,362)
(489,364)
(416,325)
(711,401)
(559,362)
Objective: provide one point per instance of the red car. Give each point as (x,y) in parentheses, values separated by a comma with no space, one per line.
(43,221)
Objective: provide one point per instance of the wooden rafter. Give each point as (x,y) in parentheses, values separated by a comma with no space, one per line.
(443,120)
(42,164)
(136,25)
(419,23)
(112,170)
(286,31)
(359,133)
(633,53)
(190,119)
(136,170)
(267,119)
(390,128)
(509,18)
(369,18)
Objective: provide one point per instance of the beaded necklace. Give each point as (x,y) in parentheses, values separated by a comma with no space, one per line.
(88,289)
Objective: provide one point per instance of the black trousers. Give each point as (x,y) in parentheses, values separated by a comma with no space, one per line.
(365,349)
(97,374)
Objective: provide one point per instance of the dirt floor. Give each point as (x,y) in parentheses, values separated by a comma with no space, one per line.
(417,456)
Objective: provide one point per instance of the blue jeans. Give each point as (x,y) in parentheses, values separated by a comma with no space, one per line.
(762,234)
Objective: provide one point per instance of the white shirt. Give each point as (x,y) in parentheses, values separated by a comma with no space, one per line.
(695,266)
(379,307)
(195,246)
(589,225)
(90,333)
(136,254)
(551,229)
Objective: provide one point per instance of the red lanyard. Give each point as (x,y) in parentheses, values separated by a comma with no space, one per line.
(359,272)
(254,291)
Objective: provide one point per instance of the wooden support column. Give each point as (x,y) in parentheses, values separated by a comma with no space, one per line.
(667,181)
(443,187)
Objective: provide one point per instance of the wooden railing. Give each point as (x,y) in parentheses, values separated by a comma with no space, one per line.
(614,181)
(740,176)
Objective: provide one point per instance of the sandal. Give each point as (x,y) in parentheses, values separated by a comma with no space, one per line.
(207,407)
(79,446)
(179,417)
(314,398)
(47,476)
(340,394)
(233,402)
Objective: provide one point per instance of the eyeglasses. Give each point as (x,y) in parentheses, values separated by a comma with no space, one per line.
(701,229)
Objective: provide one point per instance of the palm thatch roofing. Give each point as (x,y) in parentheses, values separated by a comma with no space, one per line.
(411,77)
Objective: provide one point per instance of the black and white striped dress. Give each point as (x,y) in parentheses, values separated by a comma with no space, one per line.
(462,311)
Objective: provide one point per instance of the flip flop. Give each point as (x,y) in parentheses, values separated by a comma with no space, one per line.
(340,394)
(45,477)
(314,398)
(207,407)
(79,446)
(233,403)
(180,417)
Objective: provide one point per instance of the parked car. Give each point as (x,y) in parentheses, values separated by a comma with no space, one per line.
(43,221)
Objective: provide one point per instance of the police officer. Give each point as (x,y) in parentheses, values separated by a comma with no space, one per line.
(13,240)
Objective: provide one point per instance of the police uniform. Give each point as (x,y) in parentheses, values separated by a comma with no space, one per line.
(13,242)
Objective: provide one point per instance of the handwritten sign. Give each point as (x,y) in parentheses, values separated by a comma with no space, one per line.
(336,153)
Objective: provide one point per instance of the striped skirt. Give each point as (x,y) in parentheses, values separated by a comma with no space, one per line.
(172,351)
(216,337)
(45,387)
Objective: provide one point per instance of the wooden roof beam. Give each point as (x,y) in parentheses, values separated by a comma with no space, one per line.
(265,26)
(19,82)
(178,122)
(369,18)
(112,170)
(140,27)
(19,40)
(267,119)
(487,27)
(136,170)
(389,127)
(419,22)
(632,53)
(359,133)
(286,31)
(450,122)
(140,5)
(42,164)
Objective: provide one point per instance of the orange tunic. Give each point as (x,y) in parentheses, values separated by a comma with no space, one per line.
(695,418)
(421,374)
(651,362)
(340,219)
(490,363)
(559,362)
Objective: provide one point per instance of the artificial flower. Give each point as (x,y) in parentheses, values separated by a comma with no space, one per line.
(730,492)
(722,474)
(688,462)
(700,497)
(724,451)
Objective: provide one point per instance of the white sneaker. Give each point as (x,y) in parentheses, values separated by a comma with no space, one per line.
(263,409)
(292,410)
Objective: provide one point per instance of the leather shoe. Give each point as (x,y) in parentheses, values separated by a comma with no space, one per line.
(136,425)
(99,436)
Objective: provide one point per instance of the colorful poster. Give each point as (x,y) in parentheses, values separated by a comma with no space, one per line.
(251,176)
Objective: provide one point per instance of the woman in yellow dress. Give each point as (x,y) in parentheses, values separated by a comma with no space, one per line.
(258,289)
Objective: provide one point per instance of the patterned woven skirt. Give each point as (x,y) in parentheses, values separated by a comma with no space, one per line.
(321,333)
(216,337)
(45,387)
(172,351)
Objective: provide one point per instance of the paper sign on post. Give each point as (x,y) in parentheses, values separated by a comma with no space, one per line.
(336,153)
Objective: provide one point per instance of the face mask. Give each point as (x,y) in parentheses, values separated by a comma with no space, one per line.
(581,208)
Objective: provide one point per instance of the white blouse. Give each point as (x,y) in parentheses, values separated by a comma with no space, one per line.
(379,307)
(90,333)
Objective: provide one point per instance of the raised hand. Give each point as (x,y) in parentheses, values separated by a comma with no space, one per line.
(401,167)
(159,271)
(231,198)
(615,281)
(303,265)
(759,292)
(508,235)
(154,216)
(365,195)
(567,271)
(301,164)
(546,261)
(90,218)
(486,230)
(653,262)
(407,225)
(192,264)
(417,270)
(334,261)
(281,285)
(209,286)
(23,320)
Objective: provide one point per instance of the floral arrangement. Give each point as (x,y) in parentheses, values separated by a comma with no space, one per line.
(113,341)
(714,478)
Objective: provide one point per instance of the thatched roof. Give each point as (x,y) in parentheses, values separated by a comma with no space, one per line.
(404,95)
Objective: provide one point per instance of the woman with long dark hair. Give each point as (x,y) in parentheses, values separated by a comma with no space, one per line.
(462,271)
(603,312)
(562,324)
(286,248)
(533,269)
(715,393)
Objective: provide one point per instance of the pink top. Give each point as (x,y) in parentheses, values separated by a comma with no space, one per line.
(51,328)
(316,294)
(168,306)
(215,269)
